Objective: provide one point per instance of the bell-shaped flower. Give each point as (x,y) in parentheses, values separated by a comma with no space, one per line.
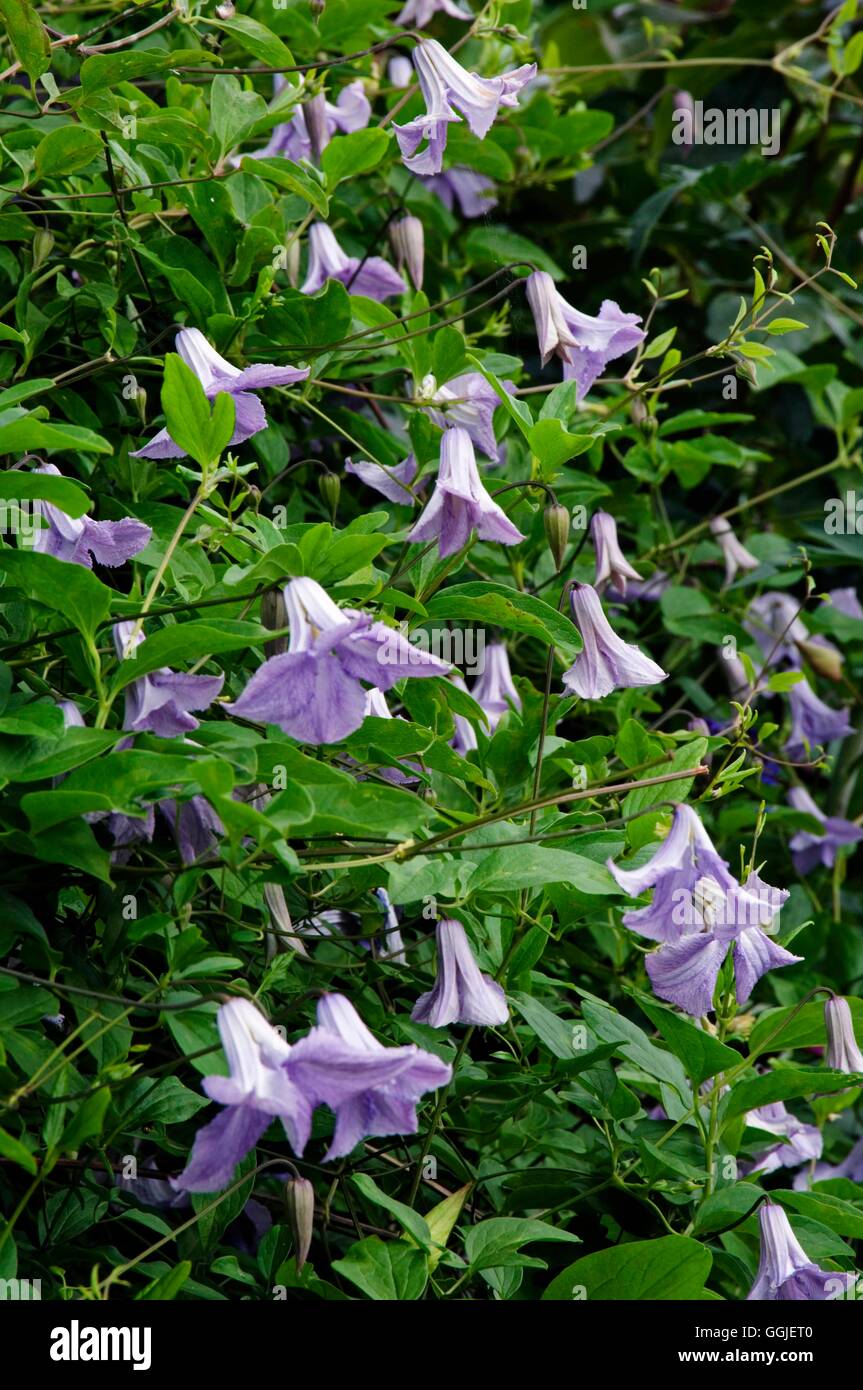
(389,947)
(494,690)
(371,276)
(605,662)
(774,621)
(473,192)
(464,740)
(80,541)
(467,401)
(812,722)
(612,566)
(797,1142)
(445,84)
(585,345)
(843,1050)
(461,993)
(809,849)
(291,140)
(392,481)
(159,702)
(372,1089)
(217,375)
(734,553)
(313,691)
(460,503)
(419,13)
(257,1089)
(197,829)
(785,1271)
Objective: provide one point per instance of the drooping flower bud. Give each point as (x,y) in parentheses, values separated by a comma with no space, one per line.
(43,242)
(315,118)
(843,1050)
(226,10)
(274,615)
(329,486)
(556,520)
(825,660)
(300,1202)
(317,8)
(281,937)
(408,243)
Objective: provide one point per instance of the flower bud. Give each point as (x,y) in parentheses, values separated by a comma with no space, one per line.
(329,486)
(315,118)
(825,661)
(43,241)
(300,1203)
(556,521)
(140,399)
(408,243)
(317,7)
(843,1050)
(637,411)
(226,10)
(274,615)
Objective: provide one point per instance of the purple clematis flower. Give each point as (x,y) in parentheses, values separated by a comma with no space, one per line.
(464,740)
(606,662)
(445,84)
(373,277)
(462,993)
(420,12)
(291,139)
(313,691)
(641,591)
(734,553)
(400,71)
(80,541)
(809,850)
(473,192)
(372,1089)
(799,1143)
(698,911)
(460,503)
(843,1050)
(391,482)
(469,402)
(775,623)
(494,690)
(812,722)
(216,375)
(197,829)
(392,947)
(257,1090)
(586,345)
(612,566)
(785,1271)
(159,702)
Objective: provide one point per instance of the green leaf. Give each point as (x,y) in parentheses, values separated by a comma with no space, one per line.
(553,444)
(785,1083)
(71,590)
(187,642)
(356,153)
(532,866)
(780,326)
(726,1207)
(60,492)
(408,1219)
(672,1268)
(24,431)
(387,1271)
(702,1055)
(496,1243)
(66,150)
(289,176)
(234,113)
(496,604)
(105,70)
(256,39)
(14,1150)
(798,1026)
(87,1121)
(190,422)
(27,35)
(168,1285)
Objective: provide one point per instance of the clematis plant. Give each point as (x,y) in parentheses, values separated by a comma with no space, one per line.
(461,993)
(460,503)
(605,662)
(584,344)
